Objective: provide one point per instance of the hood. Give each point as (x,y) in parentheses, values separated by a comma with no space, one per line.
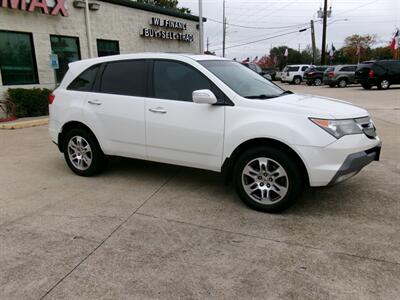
(317,106)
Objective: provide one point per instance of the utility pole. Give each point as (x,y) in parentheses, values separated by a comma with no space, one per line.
(201,29)
(223,28)
(88,29)
(314,48)
(208,44)
(325,17)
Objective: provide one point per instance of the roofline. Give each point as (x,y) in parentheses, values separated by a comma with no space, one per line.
(155,9)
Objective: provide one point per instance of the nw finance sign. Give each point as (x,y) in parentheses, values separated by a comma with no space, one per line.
(47,7)
(164,30)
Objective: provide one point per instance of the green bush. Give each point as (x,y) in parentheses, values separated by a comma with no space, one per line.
(30,102)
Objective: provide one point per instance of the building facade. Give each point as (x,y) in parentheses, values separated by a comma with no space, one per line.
(38,38)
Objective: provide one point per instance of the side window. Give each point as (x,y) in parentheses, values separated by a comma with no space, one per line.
(303,68)
(84,82)
(125,77)
(176,81)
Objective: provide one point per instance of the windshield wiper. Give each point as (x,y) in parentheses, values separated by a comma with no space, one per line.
(286,93)
(260,97)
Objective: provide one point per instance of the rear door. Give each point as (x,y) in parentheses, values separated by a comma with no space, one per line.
(179,131)
(348,72)
(115,110)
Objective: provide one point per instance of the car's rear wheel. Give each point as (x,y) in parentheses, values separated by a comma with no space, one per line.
(297,80)
(342,83)
(318,81)
(268,179)
(383,84)
(83,153)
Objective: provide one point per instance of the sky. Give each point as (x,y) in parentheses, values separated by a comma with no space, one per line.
(272,18)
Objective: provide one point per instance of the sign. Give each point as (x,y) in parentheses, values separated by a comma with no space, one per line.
(54,61)
(166,34)
(45,6)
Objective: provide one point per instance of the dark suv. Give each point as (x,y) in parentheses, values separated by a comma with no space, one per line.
(382,73)
(314,75)
(340,75)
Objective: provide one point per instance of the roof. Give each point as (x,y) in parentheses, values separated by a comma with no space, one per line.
(155,9)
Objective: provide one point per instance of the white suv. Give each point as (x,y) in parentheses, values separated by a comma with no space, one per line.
(210,113)
(294,73)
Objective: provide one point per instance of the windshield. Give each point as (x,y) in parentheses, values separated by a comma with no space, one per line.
(242,80)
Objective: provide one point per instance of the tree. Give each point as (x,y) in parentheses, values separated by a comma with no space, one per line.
(352,42)
(171,4)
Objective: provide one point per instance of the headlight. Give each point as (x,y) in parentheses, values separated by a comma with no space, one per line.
(338,128)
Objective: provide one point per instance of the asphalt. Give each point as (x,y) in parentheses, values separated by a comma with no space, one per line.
(147,230)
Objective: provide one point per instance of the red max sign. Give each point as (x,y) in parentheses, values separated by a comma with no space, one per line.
(59,7)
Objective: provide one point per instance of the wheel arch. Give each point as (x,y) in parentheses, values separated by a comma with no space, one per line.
(228,165)
(73,125)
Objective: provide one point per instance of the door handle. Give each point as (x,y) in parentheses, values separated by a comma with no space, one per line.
(159,110)
(94,102)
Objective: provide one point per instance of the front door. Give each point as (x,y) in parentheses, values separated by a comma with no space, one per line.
(179,131)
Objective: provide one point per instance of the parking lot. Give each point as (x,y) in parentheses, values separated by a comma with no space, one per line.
(148,230)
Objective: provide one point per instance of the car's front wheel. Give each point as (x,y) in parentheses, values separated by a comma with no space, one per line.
(318,81)
(268,179)
(383,84)
(297,80)
(83,153)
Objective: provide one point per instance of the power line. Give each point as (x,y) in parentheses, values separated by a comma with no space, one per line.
(257,41)
(256,27)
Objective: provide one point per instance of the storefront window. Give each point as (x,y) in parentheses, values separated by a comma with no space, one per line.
(107,47)
(17,58)
(67,49)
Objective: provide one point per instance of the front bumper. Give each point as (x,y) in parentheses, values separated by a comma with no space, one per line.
(327,165)
(355,162)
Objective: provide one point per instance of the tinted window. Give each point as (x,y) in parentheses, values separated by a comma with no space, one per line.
(177,81)
(85,81)
(67,50)
(107,47)
(304,68)
(321,68)
(127,77)
(348,69)
(17,59)
(292,69)
(330,69)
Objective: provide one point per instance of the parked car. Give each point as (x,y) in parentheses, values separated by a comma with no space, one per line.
(340,75)
(314,75)
(293,73)
(272,72)
(256,68)
(278,76)
(381,73)
(210,113)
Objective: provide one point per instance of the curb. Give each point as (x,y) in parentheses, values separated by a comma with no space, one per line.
(24,124)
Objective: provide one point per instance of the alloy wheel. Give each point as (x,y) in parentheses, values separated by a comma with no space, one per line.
(385,84)
(80,153)
(317,82)
(265,181)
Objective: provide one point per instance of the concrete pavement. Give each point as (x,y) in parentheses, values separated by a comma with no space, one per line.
(147,230)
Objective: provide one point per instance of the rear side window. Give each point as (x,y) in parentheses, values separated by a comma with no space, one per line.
(348,69)
(292,69)
(84,82)
(127,77)
(321,69)
(330,69)
(177,81)
(304,68)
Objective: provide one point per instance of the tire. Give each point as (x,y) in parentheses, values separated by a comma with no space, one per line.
(342,83)
(270,187)
(296,80)
(366,86)
(383,84)
(318,82)
(83,163)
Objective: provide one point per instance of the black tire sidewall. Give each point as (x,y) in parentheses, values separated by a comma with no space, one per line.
(99,160)
(296,180)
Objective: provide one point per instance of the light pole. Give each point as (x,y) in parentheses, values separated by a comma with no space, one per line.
(88,29)
(201,29)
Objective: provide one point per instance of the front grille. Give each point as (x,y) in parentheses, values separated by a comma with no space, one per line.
(367,126)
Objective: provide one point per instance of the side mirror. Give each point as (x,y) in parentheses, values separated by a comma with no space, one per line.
(204,97)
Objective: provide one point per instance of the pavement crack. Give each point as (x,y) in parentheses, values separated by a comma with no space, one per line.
(273,240)
(155,192)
